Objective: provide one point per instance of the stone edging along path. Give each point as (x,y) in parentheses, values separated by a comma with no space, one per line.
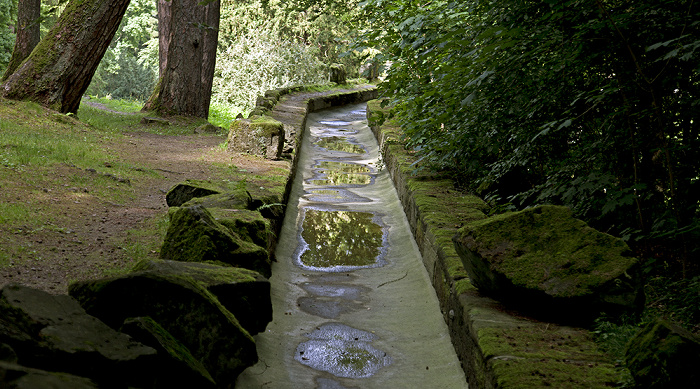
(498,348)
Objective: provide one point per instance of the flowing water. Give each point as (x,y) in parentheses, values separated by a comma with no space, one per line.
(353,305)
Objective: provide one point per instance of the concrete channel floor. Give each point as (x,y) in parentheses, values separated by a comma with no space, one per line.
(353,305)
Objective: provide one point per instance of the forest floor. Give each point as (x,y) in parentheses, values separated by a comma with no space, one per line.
(85,198)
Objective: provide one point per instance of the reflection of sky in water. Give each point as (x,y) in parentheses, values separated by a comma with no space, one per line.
(335,123)
(337,143)
(340,238)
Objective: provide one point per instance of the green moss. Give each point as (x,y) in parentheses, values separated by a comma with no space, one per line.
(171,345)
(463,286)
(528,374)
(203,273)
(356,358)
(548,243)
(266,125)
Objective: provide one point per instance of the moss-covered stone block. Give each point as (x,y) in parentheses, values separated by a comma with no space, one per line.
(194,235)
(14,376)
(183,307)
(181,193)
(257,135)
(245,293)
(545,261)
(54,333)
(664,355)
(177,366)
(249,225)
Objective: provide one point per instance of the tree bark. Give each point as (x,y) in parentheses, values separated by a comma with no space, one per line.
(164,20)
(59,70)
(186,81)
(28,34)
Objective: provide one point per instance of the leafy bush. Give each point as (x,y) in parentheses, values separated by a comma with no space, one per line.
(589,104)
(255,63)
(8,15)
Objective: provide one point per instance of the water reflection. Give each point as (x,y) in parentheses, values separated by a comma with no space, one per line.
(340,173)
(336,143)
(335,123)
(340,239)
(334,196)
(343,167)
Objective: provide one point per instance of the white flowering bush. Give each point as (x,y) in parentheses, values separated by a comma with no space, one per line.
(256,62)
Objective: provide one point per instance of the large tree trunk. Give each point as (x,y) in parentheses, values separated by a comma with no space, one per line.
(186,81)
(59,70)
(28,34)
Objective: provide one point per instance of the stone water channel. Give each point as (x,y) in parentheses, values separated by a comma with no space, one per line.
(353,305)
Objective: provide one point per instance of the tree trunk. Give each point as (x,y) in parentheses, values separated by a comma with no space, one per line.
(164,20)
(28,34)
(59,70)
(185,85)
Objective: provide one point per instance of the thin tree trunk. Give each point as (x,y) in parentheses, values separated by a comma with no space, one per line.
(59,70)
(210,38)
(186,81)
(28,34)
(164,20)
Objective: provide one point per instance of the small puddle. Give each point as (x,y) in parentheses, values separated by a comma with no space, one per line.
(342,351)
(334,196)
(341,173)
(337,143)
(340,240)
(337,123)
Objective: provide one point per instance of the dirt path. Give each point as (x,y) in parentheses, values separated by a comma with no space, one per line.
(87,236)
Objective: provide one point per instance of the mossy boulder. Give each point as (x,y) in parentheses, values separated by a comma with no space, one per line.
(545,261)
(663,355)
(13,376)
(195,236)
(249,225)
(243,292)
(257,135)
(183,307)
(54,333)
(177,367)
(235,194)
(338,74)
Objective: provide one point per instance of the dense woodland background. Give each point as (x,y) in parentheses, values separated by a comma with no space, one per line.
(586,103)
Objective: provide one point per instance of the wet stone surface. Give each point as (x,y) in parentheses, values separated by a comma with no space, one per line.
(353,306)
(330,300)
(336,238)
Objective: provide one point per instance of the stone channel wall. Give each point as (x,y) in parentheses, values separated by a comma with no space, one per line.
(290,106)
(498,348)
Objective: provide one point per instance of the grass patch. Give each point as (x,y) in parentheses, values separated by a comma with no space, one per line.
(118,104)
(13,213)
(222,115)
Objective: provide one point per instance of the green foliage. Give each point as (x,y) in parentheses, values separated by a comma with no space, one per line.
(254,64)
(8,18)
(584,103)
(129,69)
(267,44)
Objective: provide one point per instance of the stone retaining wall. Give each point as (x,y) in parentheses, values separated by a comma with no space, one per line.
(498,347)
